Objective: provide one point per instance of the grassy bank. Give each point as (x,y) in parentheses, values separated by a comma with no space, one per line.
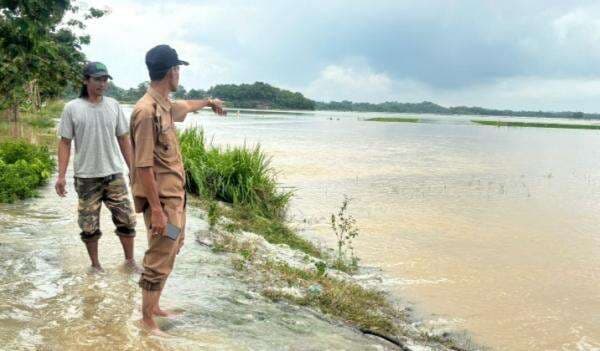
(365,308)
(284,277)
(46,117)
(394,119)
(535,125)
(315,286)
(36,127)
(242,178)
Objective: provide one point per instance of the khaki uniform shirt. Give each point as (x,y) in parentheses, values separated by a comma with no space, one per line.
(155,144)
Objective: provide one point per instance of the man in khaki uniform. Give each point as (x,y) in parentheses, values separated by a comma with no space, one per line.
(158,177)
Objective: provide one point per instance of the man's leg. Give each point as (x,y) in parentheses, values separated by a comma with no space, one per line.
(149,302)
(92,249)
(159,311)
(89,191)
(116,198)
(158,264)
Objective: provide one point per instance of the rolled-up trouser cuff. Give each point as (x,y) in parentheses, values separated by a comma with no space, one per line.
(124,231)
(150,286)
(90,237)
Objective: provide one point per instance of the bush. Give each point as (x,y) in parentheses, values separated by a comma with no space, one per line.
(240,176)
(23,168)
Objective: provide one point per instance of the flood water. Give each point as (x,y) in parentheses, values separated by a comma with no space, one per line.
(492,230)
(50,302)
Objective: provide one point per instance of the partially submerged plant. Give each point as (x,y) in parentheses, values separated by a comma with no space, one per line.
(213,213)
(345,230)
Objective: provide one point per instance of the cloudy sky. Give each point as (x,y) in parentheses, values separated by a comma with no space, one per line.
(499,54)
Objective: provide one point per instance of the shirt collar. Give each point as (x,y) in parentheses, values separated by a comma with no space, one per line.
(165,104)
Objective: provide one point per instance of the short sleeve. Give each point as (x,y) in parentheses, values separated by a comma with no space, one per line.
(122,127)
(143,138)
(65,128)
(178,110)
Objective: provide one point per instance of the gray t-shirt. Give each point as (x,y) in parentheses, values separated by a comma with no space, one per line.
(94,128)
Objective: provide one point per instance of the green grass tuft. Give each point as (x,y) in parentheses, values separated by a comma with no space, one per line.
(240,176)
(243,178)
(535,125)
(394,119)
(347,301)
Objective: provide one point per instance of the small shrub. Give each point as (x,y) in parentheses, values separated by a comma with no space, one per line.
(213,213)
(345,230)
(23,168)
(321,268)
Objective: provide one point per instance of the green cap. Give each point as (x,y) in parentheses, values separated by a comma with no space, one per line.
(96,69)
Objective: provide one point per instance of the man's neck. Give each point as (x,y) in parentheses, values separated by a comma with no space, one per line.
(94,99)
(162,89)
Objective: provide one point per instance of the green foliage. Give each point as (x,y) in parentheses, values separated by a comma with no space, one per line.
(274,231)
(213,213)
(321,268)
(536,125)
(430,107)
(238,175)
(40,54)
(345,230)
(257,95)
(347,301)
(130,95)
(23,168)
(243,178)
(260,95)
(394,119)
(180,93)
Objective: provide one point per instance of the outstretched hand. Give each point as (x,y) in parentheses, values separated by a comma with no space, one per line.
(217,106)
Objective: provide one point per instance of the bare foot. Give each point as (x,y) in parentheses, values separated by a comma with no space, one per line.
(96,269)
(132,266)
(151,327)
(166,313)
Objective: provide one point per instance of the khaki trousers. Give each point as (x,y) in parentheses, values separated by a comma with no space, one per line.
(162,250)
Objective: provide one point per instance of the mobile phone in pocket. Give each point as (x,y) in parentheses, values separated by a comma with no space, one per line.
(172,231)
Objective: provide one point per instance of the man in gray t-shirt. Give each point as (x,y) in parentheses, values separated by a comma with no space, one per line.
(99,129)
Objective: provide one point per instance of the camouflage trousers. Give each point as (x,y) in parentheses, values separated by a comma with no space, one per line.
(112,191)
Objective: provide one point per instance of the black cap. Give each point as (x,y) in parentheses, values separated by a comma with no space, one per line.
(96,69)
(161,58)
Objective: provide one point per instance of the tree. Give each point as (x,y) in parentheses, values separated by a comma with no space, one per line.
(39,57)
(196,94)
(180,93)
(260,95)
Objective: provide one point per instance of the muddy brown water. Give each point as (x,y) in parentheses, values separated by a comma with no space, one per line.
(492,230)
(49,301)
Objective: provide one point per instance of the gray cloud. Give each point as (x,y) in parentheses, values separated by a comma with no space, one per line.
(435,49)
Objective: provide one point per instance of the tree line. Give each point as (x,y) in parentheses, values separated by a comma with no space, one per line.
(430,107)
(264,96)
(257,95)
